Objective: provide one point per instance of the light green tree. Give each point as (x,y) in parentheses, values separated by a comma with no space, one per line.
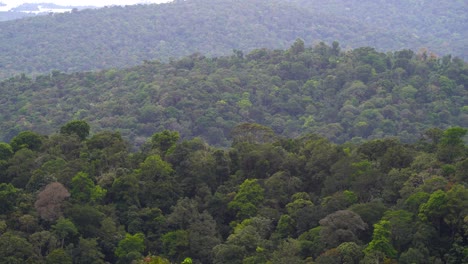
(249,196)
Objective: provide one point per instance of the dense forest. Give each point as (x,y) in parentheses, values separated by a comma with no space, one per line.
(192,145)
(72,197)
(343,95)
(125,36)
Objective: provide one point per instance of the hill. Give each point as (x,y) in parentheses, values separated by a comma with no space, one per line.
(126,36)
(343,95)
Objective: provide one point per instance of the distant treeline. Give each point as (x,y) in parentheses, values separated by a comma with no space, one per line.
(126,36)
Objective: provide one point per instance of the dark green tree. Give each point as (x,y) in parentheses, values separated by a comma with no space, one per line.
(130,248)
(451,145)
(8,196)
(26,139)
(15,249)
(78,127)
(164,140)
(6,151)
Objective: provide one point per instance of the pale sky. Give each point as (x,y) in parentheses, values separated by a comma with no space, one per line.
(83,2)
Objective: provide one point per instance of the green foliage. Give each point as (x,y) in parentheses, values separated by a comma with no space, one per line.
(26,139)
(165,140)
(284,201)
(175,243)
(78,127)
(435,207)
(291,22)
(341,226)
(8,195)
(130,248)
(88,252)
(451,145)
(251,133)
(64,229)
(381,240)
(84,190)
(59,256)
(15,249)
(153,260)
(249,196)
(265,95)
(6,151)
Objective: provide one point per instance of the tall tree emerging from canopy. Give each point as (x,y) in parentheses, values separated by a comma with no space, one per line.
(26,139)
(77,127)
(165,140)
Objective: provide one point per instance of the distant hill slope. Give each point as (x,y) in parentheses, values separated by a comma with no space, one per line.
(353,95)
(34,9)
(125,36)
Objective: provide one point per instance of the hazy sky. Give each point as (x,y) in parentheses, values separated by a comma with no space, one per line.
(83,2)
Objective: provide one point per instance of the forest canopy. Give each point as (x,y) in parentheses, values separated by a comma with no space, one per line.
(71,199)
(118,37)
(349,95)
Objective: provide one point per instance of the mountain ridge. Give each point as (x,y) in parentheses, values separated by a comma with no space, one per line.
(125,36)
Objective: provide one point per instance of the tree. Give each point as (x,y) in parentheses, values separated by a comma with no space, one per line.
(88,251)
(49,201)
(302,211)
(64,229)
(249,196)
(59,256)
(43,242)
(15,249)
(164,140)
(176,244)
(288,252)
(401,228)
(21,166)
(297,47)
(341,226)
(130,248)
(252,236)
(381,241)
(435,208)
(412,256)
(26,139)
(311,242)
(8,196)
(157,174)
(350,252)
(451,144)
(86,217)
(78,127)
(252,133)
(84,190)
(6,151)
(228,254)
(203,237)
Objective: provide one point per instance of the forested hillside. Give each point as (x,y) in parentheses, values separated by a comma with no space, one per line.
(353,95)
(69,197)
(125,36)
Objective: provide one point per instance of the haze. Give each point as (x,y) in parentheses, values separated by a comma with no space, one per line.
(13,3)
